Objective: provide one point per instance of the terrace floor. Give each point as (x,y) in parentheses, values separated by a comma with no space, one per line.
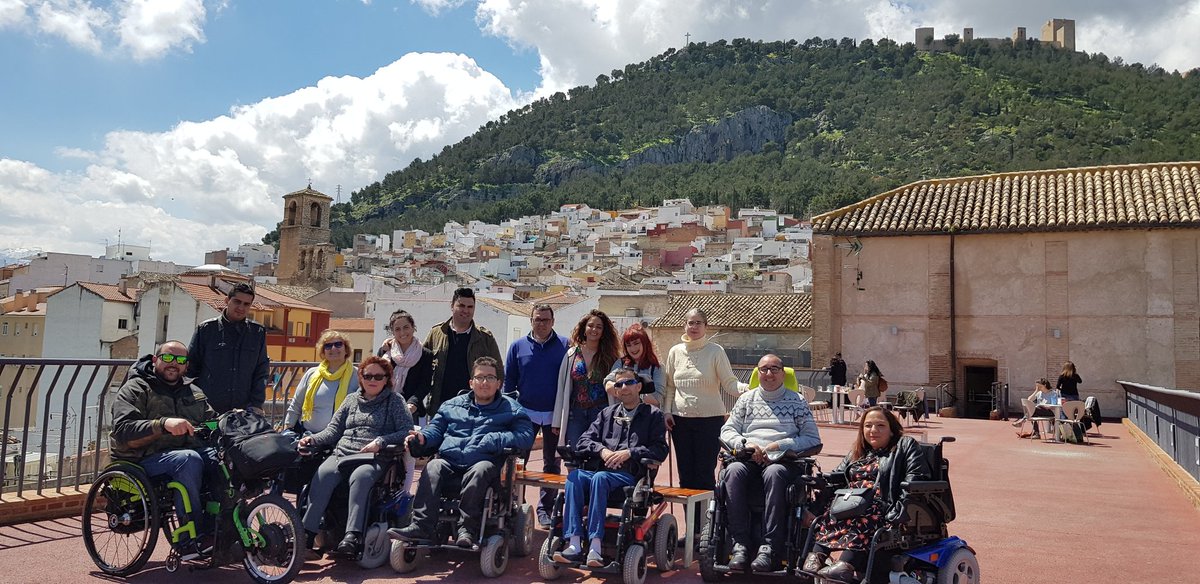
(1033,511)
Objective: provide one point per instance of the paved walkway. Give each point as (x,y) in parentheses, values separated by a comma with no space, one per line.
(1034,512)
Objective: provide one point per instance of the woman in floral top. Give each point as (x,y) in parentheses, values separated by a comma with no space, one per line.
(881,458)
(581,393)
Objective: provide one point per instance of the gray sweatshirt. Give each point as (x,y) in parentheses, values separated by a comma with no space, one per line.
(761,417)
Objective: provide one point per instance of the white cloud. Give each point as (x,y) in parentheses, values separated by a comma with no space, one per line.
(435,7)
(216,183)
(13,13)
(143,29)
(150,28)
(75,21)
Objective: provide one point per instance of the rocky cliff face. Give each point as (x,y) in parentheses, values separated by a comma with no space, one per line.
(746,131)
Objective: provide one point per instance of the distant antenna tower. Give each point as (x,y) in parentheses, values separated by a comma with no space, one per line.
(339,194)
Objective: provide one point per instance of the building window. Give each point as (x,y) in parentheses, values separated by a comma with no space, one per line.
(358,355)
(122,323)
(35,330)
(4,329)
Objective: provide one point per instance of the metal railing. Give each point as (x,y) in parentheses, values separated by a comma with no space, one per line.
(51,442)
(1170,417)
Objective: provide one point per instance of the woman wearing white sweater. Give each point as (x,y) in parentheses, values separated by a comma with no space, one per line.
(696,371)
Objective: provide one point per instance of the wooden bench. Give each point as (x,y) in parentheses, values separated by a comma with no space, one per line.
(676,495)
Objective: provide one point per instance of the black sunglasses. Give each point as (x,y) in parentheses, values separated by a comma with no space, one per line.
(626,383)
(333,345)
(169,358)
(374,376)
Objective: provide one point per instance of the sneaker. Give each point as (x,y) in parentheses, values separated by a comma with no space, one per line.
(465,538)
(1018,422)
(571,555)
(408,533)
(543,519)
(738,558)
(594,559)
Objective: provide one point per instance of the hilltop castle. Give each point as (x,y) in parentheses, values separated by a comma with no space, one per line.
(1057,32)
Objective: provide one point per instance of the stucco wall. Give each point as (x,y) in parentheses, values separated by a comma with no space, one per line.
(1123,303)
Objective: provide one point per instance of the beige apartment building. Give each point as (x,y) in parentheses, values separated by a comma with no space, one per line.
(22,328)
(1003,277)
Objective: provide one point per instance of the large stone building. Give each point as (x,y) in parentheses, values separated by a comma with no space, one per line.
(1003,277)
(306,256)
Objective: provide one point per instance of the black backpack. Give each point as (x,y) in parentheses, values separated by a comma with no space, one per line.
(256,450)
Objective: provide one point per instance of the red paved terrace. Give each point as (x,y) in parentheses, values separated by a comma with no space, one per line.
(1034,512)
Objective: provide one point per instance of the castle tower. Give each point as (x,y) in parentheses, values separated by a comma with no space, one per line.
(305,251)
(924,40)
(1060,32)
(1019,36)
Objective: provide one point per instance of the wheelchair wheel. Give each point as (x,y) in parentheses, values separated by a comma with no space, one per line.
(494,559)
(403,558)
(666,531)
(961,568)
(523,531)
(549,569)
(275,556)
(120,522)
(633,565)
(708,553)
(376,546)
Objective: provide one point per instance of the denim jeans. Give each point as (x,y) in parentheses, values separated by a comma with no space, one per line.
(591,487)
(578,421)
(186,467)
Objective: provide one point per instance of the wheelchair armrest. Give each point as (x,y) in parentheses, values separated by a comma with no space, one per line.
(924,487)
(650,462)
(835,479)
(390,451)
(350,461)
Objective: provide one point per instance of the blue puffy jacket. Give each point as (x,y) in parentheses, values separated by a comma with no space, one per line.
(464,433)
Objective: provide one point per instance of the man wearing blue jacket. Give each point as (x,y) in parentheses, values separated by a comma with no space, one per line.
(619,438)
(469,433)
(531,377)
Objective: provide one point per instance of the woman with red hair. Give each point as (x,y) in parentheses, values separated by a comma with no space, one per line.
(639,356)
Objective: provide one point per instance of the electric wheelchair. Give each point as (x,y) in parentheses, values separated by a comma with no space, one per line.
(917,546)
(387,504)
(506,527)
(645,524)
(126,509)
(803,494)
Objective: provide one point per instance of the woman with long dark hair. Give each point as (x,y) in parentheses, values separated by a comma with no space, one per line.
(412,363)
(581,393)
(868,381)
(881,458)
(1068,382)
(639,356)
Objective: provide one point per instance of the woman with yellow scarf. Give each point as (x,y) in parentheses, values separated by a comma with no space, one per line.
(324,387)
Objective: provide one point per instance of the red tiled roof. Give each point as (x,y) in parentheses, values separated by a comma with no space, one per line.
(352,324)
(109,292)
(287,301)
(216,299)
(757,311)
(1136,196)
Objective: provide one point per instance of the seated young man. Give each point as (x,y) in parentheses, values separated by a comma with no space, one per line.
(768,418)
(469,433)
(622,435)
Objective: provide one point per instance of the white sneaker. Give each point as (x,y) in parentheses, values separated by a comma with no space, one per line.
(570,555)
(594,559)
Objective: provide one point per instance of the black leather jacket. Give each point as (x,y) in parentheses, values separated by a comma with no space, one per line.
(905,462)
(229,362)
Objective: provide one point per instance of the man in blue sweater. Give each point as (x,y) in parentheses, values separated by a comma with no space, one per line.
(531,378)
(469,433)
(767,421)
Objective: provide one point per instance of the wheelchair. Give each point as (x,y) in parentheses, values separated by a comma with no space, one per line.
(126,509)
(505,529)
(386,505)
(716,544)
(644,523)
(918,545)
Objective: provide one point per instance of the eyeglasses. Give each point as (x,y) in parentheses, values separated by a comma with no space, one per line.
(626,383)
(333,345)
(485,378)
(374,376)
(770,369)
(169,358)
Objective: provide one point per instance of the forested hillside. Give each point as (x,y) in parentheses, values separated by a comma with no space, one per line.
(802,127)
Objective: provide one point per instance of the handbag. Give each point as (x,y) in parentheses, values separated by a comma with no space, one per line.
(849,503)
(882,385)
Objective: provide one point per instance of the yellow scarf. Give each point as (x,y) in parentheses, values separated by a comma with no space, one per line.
(342,375)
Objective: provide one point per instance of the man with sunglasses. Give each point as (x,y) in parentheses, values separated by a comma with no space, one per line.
(155,415)
(229,355)
(766,422)
(619,438)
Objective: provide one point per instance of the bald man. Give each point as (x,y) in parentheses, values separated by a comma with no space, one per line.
(155,415)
